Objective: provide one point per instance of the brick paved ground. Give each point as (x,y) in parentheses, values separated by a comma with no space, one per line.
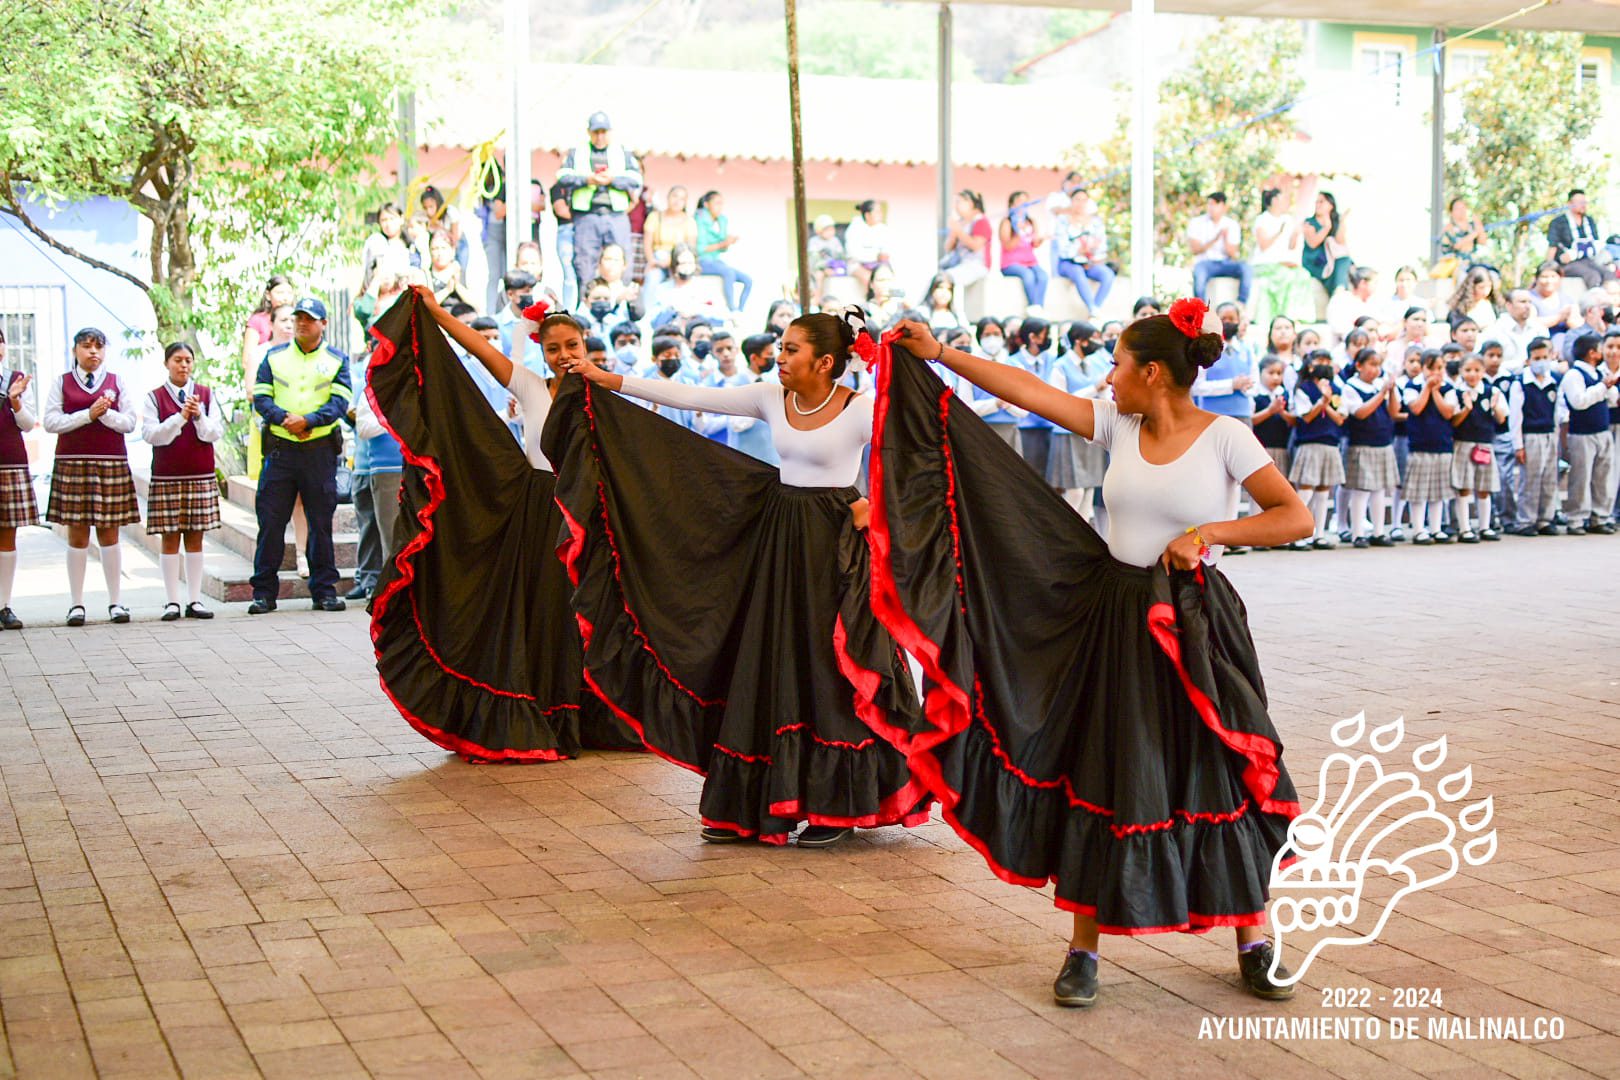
(216,864)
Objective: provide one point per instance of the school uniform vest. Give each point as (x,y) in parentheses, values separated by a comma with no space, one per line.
(95,439)
(1040,366)
(187,457)
(1502,384)
(1273,430)
(1594,419)
(1428,432)
(12,450)
(1540,407)
(1479,425)
(1377,429)
(1322,429)
(1234,361)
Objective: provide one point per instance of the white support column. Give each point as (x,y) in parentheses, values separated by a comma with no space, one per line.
(946,196)
(518,214)
(1145,106)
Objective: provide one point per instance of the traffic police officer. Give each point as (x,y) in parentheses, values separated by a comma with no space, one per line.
(302,391)
(603,179)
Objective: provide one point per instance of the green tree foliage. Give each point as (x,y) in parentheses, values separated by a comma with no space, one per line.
(244,133)
(1239,73)
(1523,140)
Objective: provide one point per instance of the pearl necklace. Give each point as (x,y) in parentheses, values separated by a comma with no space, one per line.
(818,408)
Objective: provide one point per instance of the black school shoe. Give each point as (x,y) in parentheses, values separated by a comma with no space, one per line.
(327,603)
(76,615)
(171,612)
(1382,541)
(261,605)
(9,620)
(1076,984)
(195,610)
(1601,528)
(1255,966)
(713,834)
(117,613)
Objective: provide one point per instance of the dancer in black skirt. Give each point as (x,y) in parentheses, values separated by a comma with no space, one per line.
(1095,716)
(476,643)
(725,607)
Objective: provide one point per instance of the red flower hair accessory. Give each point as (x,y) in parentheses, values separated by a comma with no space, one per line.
(534,314)
(1188,314)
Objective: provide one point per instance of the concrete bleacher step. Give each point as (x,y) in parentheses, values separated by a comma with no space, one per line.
(239,534)
(243,492)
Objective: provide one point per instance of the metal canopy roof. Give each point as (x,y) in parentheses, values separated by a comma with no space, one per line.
(1586,16)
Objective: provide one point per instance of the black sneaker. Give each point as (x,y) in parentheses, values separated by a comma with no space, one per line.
(1255,966)
(713,834)
(171,612)
(261,605)
(327,603)
(819,836)
(359,592)
(9,620)
(1076,984)
(76,615)
(195,610)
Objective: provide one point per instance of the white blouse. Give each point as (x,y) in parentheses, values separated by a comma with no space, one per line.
(120,417)
(161,433)
(828,456)
(1150,505)
(534,398)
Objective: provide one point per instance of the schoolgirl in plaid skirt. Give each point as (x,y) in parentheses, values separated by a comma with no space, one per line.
(17,505)
(182,422)
(89,412)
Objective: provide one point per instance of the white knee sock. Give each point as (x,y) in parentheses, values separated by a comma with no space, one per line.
(112,564)
(1484,511)
(1319,508)
(8,573)
(1431,516)
(1378,501)
(77,559)
(194,576)
(1459,513)
(170,565)
(1401,507)
(1358,513)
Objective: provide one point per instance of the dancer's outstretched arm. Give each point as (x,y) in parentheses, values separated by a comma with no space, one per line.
(1012,385)
(468,338)
(728,400)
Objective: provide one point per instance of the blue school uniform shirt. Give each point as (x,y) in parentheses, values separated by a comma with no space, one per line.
(753,437)
(1072,373)
(1212,390)
(1038,365)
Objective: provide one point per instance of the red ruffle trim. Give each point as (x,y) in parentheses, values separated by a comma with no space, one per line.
(383,354)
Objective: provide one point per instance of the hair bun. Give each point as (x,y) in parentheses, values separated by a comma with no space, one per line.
(1205,349)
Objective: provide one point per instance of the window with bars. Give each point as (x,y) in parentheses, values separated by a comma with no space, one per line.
(1588,75)
(1384,69)
(1463,65)
(22,346)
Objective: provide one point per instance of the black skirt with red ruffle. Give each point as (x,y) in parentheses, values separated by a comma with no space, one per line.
(726,618)
(475,639)
(1094,725)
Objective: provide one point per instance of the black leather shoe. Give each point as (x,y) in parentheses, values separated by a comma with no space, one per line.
(1076,985)
(1361,542)
(328,603)
(76,615)
(171,612)
(195,610)
(1601,528)
(359,592)
(1548,529)
(713,834)
(261,605)
(815,836)
(9,620)
(1382,541)
(1575,530)
(1255,967)
(117,613)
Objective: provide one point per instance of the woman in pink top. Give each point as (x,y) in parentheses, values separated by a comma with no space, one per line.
(1019,235)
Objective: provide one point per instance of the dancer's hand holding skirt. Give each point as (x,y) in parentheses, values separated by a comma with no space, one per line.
(726,618)
(1087,723)
(476,642)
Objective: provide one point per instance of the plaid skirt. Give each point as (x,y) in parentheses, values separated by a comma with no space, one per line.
(98,492)
(186,505)
(1428,477)
(1074,462)
(1372,468)
(1468,475)
(18,506)
(1316,465)
(1279,458)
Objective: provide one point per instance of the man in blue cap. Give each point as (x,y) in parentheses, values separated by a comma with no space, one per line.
(302,391)
(603,179)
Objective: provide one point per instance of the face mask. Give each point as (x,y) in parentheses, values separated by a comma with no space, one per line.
(1539,368)
(626,356)
(669,366)
(770,363)
(600,309)
(993,345)
(526,300)
(1090,346)
(684,274)
(701,350)
(1229,330)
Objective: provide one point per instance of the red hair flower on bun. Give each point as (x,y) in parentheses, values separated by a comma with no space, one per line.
(534,314)
(1188,315)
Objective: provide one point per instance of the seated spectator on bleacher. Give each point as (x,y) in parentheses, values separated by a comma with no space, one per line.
(1216,240)
(613,270)
(1573,243)
(1082,250)
(1283,287)
(1595,312)
(826,254)
(445,274)
(1020,236)
(884,302)
(1547,297)
(779,316)
(686,295)
(1352,303)
(1476,298)
(663,231)
(518,288)
(1326,255)
(1517,327)
(967,242)
(866,242)
(1403,298)
(715,239)
(598,313)
(941,301)
(1462,242)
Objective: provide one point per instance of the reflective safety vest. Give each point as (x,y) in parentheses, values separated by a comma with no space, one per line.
(302,383)
(617,165)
